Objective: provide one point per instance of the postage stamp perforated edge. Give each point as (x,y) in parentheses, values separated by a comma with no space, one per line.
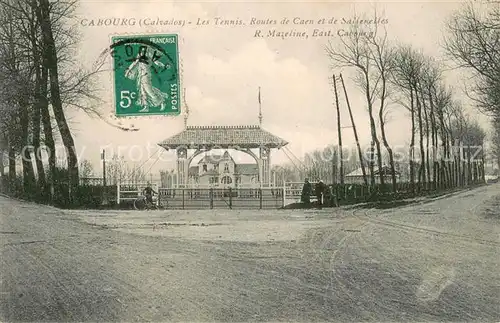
(111,76)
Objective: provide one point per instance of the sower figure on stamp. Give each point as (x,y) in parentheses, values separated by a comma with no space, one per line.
(148,95)
(305,197)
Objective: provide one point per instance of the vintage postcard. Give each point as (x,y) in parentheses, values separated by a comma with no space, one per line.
(235,161)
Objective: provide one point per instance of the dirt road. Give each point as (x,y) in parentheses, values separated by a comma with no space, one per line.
(427,262)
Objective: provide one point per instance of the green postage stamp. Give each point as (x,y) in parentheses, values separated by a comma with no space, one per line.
(146,75)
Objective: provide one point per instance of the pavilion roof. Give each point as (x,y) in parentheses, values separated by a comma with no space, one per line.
(223,137)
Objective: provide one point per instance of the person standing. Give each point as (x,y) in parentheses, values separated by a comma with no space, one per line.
(320,190)
(305,197)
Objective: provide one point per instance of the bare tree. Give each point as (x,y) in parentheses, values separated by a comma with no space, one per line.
(443,97)
(50,56)
(405,76)
(383,57)
(17,65)
(429,77)
(472,42)
(87,169)
(45,42)
(470,138)
(355,52)
(431,82)
(495,140)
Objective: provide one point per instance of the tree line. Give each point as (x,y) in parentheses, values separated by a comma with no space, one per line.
(118,170)
(449,143)
(41,80)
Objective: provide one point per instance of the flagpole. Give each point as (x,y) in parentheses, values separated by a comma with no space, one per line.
(261,165)
(260,110)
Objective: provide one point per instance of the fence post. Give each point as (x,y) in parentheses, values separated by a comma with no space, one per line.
(211,198)
(118,192)
(230,198)
(284,193)
(260,197)
(183,197)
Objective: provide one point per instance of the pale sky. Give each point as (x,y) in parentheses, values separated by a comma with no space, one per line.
(224,66)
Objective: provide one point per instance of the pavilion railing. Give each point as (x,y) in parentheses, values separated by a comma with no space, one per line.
(220,186)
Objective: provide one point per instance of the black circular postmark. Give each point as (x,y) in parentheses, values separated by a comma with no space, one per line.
(127,50)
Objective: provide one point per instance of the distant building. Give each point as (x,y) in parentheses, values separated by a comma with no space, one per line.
(222,171)
(356,177)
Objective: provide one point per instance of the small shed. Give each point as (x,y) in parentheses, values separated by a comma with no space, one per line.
(356,176)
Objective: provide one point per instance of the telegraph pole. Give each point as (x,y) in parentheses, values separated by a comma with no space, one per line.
(360,154)
(341,170)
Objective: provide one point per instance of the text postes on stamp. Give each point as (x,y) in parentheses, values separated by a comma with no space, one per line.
(146,75)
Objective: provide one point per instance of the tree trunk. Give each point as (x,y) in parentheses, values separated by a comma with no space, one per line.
(469,166)
(47,132)
(452,149)
(434,142)
(379,160)
(391,156)
(372,166)
(384,137)
(36,139)
(461,171)
(458,167)
(2,166)
(447,168)
(373,129)
(412,142)
(12,165)
(482,172)
(427,140)
(42,183)
(26,161)
(421,142)
(51,59)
